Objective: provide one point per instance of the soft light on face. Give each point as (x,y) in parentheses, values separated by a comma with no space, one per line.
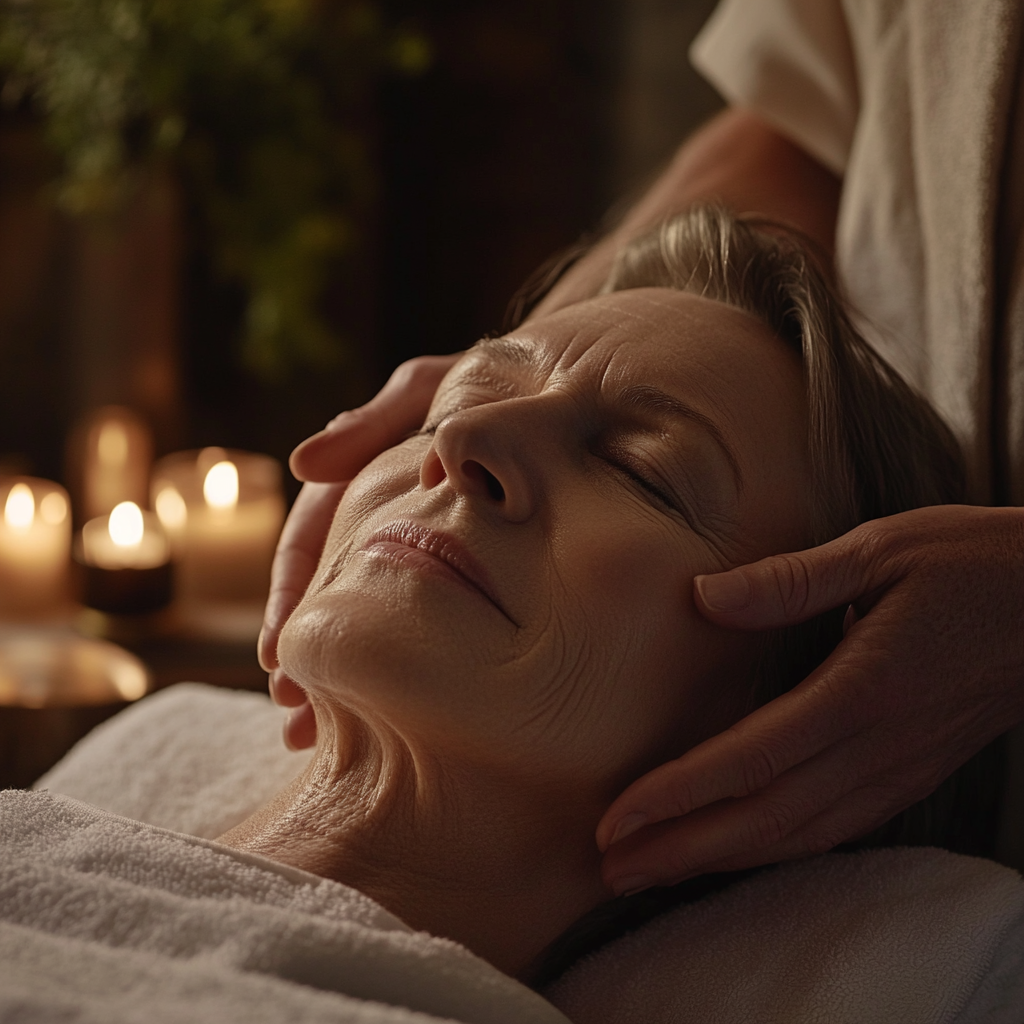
(515,582)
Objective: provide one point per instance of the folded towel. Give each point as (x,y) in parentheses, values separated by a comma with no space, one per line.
(105,919)
(914,936)
(191,758)
(918,936)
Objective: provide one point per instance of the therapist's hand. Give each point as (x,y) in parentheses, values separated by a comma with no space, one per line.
(930,670)
(326,462)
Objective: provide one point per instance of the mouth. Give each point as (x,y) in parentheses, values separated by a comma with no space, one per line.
(435,550)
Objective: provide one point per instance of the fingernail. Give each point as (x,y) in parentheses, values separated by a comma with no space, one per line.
(627,826)
(629,885)
(726,592)
(259,651)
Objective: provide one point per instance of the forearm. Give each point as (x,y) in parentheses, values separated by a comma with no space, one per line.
(736,159)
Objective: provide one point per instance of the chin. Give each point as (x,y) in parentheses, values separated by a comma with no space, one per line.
(409,659)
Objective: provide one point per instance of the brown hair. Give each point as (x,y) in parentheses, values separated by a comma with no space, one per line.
(876,447)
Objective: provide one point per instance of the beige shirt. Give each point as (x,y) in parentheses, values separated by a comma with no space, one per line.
(911,101)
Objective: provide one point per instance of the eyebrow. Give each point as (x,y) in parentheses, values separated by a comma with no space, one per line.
(508,350)
(637,396)
(651,399)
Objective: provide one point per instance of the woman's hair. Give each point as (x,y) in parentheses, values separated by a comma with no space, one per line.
(876,448)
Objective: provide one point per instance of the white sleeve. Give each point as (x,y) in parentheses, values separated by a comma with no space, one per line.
(791,62)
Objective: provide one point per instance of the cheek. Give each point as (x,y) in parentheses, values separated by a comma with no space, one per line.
(645,669)
(388,477)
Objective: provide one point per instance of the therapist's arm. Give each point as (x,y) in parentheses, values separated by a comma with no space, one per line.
(735,159)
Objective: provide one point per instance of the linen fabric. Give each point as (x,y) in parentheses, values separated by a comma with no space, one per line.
(918,936)
(911,101)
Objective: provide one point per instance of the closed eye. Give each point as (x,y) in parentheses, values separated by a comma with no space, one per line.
(642,476)
(645,483)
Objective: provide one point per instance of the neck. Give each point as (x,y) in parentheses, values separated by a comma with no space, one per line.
(501,864)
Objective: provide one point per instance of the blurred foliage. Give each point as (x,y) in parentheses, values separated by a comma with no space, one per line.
(257,104)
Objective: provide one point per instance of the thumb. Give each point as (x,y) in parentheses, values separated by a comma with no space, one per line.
(784,590)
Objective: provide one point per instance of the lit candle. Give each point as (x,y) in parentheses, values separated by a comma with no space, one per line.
(126,561)
(117,457)
(35,542)
(223,512)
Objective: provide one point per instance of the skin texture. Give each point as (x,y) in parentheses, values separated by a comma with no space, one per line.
(579,474)
(736,159)
(821,765)
(931,669)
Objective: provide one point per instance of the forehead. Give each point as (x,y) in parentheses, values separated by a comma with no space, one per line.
(684,343)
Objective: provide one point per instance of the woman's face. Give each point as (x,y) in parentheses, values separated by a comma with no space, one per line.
(513,584)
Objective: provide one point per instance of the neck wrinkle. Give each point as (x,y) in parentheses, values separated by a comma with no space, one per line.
(455,850)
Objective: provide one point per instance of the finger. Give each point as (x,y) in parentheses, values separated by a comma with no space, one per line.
(745,758)
(285,691)
(295,561)
(300,728)
(856,815)
(355,438)
(810,810)
(784,590)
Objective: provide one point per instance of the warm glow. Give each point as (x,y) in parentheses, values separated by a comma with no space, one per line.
(54,508)
(112,445)
(130,680)
(20,509)
(220,488)
(125,524)
(171,508)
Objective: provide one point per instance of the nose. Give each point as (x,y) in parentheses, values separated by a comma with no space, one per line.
(482,453)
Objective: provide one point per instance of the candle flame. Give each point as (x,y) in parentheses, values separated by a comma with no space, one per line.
(54,508)
(220,488)
(125,524)
(130,680)
(20,509)
(171,508)
(112,444)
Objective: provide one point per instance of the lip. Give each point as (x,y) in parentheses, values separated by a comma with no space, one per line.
(444,549)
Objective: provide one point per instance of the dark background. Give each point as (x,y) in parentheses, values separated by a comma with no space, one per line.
(533,120)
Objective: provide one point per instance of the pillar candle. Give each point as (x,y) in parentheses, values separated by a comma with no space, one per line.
(223,511)
(35,545)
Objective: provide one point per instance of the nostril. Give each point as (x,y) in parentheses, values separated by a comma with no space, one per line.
(475,471)
(494,488)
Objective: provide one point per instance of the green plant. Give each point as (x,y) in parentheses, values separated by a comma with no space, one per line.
(257,105)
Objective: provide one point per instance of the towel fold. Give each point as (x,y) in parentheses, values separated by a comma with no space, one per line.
(106,919)
(191,758)
(914,936)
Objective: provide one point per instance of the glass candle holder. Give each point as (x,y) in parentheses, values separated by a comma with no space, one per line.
(125,561)
(223,511)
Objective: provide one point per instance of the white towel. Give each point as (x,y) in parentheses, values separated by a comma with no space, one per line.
(907,936)
(108,920)
(191,758)
(910,936)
